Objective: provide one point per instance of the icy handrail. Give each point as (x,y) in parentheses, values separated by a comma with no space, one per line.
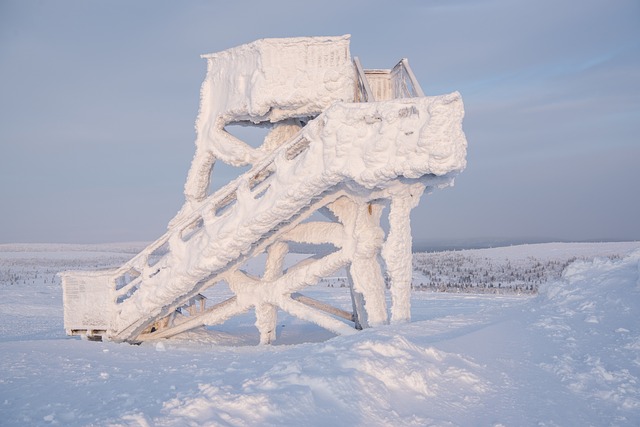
(363,90)
(399,75)
(220,199)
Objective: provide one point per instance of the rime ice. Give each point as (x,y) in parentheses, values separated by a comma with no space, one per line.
(343,142)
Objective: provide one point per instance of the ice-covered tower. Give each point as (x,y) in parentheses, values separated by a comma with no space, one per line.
(345,146)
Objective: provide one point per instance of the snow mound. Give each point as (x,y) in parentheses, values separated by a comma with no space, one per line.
(593,311)
(375,379)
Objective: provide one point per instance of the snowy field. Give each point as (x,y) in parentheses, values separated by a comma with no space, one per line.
(565,353)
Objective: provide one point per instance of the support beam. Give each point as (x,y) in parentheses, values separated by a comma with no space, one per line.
(266,313)
(304,312)
(319,305)
(212,316)
(365,268)
(396,251)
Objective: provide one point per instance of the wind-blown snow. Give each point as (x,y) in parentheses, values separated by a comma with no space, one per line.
(596,326)
(568,356)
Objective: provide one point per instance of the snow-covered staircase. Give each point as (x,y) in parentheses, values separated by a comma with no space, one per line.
(349,160)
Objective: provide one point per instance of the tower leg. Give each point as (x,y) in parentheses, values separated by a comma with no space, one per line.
(397,254)
(267,314)
(266,322)
(357,301)
(365,268)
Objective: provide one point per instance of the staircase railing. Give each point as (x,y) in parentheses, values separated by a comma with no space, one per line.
(363,90)
(405,84)
(399,82)
(128,277)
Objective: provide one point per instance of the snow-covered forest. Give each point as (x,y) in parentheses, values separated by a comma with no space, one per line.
(481,271)
(556,342)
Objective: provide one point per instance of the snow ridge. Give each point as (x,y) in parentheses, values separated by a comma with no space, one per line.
(597,325)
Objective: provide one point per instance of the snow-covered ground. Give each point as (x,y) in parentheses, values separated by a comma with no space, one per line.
(568,355)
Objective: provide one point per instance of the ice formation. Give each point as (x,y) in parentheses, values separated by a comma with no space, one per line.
(343,142)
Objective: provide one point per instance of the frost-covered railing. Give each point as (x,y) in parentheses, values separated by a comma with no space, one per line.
(128,277)
(405,84)
(383,85)
(363,90)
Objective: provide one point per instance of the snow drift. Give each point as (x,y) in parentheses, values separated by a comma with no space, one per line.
(568,356)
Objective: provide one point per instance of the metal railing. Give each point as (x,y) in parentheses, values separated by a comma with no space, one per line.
(399,82)
(405,84)
(363,90)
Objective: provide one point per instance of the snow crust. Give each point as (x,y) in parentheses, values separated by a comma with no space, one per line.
(569,356)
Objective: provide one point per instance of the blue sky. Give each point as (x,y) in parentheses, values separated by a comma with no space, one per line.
(98,101)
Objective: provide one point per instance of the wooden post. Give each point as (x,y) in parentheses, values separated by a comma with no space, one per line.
(267,314)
